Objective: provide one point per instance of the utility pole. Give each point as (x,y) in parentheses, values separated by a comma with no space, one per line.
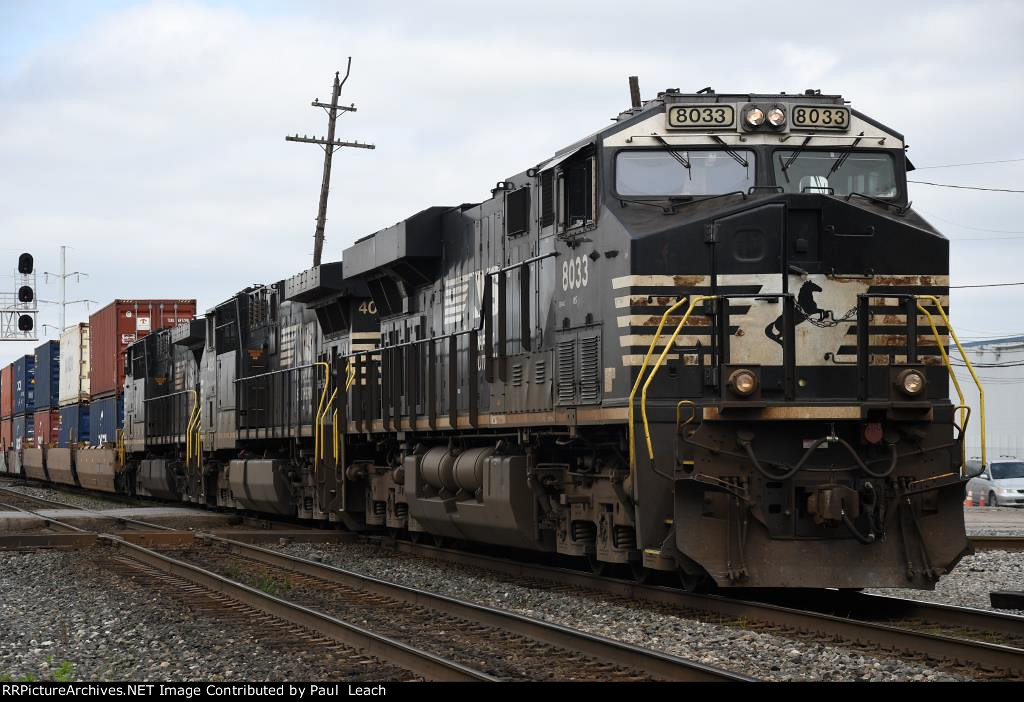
(329,145)
(63,277)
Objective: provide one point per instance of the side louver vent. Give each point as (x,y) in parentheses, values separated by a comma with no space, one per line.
(566,389)
(590,370)
(540,372)
(517,374)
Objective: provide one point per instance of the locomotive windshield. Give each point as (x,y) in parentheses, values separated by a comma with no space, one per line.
(836,172)
(680,172)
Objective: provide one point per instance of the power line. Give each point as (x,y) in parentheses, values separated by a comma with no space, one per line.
(977,229)
(974,163)
(986,285)
(965,187)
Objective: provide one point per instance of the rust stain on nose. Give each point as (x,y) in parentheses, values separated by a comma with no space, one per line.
(687,280)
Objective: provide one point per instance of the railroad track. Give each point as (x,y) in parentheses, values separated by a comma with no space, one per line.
(978,643)
(417,633)
(493,643)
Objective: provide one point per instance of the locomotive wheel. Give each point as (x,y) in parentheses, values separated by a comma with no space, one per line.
(641,574)
(692,583)
(596,567)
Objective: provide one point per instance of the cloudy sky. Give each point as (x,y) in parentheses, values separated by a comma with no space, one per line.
(148,136)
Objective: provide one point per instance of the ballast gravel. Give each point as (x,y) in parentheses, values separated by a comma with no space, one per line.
(756,653)
(64,618)
(972,580)
(74,499)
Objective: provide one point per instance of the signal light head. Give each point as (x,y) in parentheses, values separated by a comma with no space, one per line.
(26,264)
(25,294)
(743,382)
(25,323)
(755,117)
(911,382)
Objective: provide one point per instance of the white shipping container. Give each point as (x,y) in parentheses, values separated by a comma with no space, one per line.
(74,365)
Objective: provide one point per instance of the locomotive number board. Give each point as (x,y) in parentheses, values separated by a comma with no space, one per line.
(818,117)
(701,116)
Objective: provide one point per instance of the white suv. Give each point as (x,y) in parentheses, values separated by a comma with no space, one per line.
(1001,483)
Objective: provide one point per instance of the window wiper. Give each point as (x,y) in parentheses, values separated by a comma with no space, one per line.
(727,149)
(793,156)
(665,209)
(675,207)
(680,159)
(837,164)
(677,201)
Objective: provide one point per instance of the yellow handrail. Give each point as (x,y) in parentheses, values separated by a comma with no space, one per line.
(350,375)
(319,410)
(657,364)
(323,423)
(190,426)
(640,376)
(952,374)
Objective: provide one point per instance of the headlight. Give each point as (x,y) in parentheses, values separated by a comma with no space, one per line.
(911,382)
(743,382)
(776,117)
(755,117)
(1005,491)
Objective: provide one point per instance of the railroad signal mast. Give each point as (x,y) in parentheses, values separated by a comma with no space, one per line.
(18,309)
(63,278)
(329,144)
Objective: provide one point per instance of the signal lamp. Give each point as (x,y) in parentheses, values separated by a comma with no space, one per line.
(755,117)
(910,382)
(776,117)
(25,264)
(25,323)
(25,294)
(743,382)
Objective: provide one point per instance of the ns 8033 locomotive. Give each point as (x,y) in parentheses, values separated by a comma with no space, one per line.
(708,339)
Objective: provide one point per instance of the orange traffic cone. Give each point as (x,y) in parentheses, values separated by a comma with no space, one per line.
(981,501)
(969,501)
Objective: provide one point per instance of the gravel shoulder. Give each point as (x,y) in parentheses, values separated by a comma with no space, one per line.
(972,580)
(763,655)
(71,498)
(64,617)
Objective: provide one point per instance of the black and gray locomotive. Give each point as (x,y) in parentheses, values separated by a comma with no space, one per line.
(698,340)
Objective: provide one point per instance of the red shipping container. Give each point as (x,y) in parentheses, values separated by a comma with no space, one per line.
(119,325)
(47,427)
(6,433)
(7,391)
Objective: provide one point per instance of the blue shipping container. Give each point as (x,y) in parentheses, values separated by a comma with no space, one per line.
(24,430)
(24,385)
(47,361)
(106,416)
(74,425)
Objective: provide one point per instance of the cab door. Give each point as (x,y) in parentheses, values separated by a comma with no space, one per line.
(747,261)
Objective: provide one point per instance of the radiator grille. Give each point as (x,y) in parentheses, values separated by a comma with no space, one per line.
(590,370)
(566,389)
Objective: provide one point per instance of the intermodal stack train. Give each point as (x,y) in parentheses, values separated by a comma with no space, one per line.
(707,339)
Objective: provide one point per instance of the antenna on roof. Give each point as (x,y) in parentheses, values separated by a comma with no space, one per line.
(634,92)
